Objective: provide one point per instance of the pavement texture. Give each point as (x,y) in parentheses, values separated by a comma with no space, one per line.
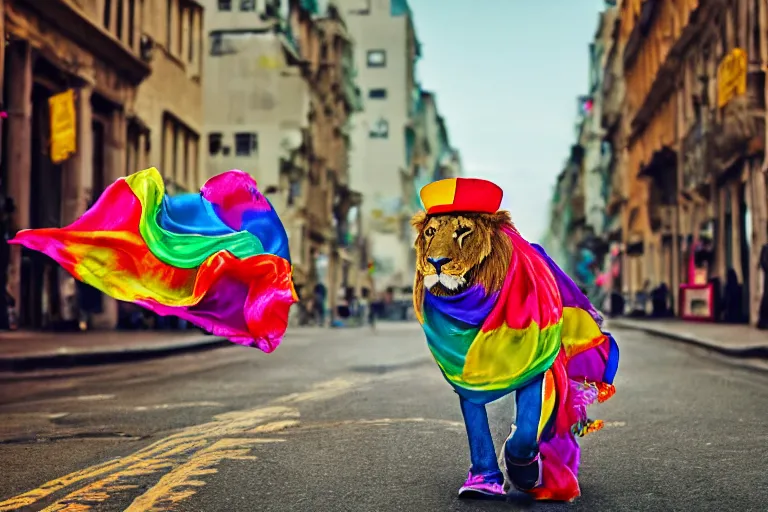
(344,420)
(25,350)
(731,340)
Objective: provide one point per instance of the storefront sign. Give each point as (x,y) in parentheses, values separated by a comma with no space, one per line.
(731,76)
(63,126)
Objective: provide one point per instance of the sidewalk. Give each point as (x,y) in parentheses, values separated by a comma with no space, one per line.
(731,340)
(25,350)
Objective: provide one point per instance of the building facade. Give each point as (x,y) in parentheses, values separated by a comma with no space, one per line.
(386,51)
(613,162)
(279,97)
(683,118)
(93,90)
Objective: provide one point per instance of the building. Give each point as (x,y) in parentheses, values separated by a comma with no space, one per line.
(612,93)
(678,96)
(166,127)
(114,86)
(695,114)
(560,239)
(597,152)
(257,109)
(651,131)
(722,142)
(386,51)
(279,96)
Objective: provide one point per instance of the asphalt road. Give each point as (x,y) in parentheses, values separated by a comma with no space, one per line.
(340,420)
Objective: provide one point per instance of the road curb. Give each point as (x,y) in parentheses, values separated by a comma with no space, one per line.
(30,362)
(741,352)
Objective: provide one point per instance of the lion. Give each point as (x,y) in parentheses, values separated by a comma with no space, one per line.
(456,251)
(500,317)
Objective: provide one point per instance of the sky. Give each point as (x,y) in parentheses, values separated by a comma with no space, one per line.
(507,74)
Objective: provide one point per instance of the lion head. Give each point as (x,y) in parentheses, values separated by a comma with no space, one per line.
(457,250)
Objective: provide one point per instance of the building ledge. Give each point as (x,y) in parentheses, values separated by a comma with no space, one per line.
(664,81)
(72,22)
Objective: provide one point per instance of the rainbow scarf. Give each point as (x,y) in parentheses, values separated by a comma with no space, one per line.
(218,259)
(490,344)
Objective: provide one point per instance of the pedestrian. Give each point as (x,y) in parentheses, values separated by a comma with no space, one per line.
(659,297)
(732,299)
(6,233)
(320,294)
(367,310)
(762,317)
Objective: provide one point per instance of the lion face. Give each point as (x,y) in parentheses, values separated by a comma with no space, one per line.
(454,251)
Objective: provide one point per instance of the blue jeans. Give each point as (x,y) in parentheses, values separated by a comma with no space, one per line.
(522,447)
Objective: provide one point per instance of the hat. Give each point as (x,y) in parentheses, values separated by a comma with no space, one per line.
(471,195)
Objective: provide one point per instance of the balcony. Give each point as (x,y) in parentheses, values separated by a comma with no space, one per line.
(739,133)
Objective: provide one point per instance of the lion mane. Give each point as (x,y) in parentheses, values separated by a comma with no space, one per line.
(472,248)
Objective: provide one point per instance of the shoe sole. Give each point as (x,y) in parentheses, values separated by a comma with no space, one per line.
(472,493)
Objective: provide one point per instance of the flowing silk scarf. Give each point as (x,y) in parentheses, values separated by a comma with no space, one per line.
(488,344)
(218,259)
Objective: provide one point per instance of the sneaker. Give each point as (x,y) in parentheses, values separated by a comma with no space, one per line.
(523,476)
(478,486)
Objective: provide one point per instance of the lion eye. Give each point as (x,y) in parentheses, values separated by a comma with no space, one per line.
(461,232)
(429,231)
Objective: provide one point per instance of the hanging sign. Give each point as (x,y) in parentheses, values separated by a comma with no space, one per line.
(731,76)
(63,127)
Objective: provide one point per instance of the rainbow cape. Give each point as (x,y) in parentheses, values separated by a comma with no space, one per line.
(488,345)
(218,259)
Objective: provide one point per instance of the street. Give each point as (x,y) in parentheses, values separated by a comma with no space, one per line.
(338,420)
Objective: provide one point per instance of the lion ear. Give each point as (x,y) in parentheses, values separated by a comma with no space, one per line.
(501,218)
(419,220)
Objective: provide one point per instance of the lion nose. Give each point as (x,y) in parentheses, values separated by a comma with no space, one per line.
(438,262)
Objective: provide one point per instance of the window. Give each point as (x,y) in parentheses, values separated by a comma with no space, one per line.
(179,152)
(377,58)
(119,27)
(107,13)
(180,32)
(245,143)
(168,24)
(377,94)
(131,22)
(217,45)
(191,42)
(225,5)
(380,129)
(214,143)
(247,5)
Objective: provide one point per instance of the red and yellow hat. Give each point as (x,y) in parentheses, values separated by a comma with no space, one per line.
(471,195)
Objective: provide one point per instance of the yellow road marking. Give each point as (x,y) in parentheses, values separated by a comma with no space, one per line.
(179,483)
(275,426)
(161,454)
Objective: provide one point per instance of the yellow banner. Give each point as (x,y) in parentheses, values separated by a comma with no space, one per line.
(731,76)
(63,126)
